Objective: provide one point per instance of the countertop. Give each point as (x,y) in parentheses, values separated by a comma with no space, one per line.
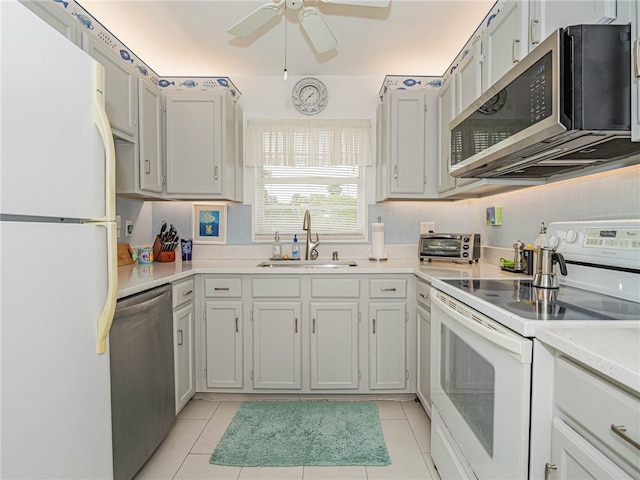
(611,349)
(136,278)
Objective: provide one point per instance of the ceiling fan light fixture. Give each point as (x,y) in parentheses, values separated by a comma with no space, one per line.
(317,30)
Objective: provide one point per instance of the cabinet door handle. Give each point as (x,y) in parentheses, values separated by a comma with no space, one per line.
(188,292)
(636,56)
(621,431)
(390,289)
(532,33)
(237,325)
(423,295)
(395,172)
(224,289)
(313,326)
(514,56)
(547,470)
(147,166)
(295,330)
(215,173)
(374,326)
(180,336)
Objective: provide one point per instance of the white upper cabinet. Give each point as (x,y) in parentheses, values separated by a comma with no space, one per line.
(505,40)
(201,146)
(57,17)
(546,16)
(635,73)
(120,88)
(150,109)
(404,144)
(446,112)
(468,74)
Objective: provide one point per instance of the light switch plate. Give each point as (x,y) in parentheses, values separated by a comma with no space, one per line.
(427,227)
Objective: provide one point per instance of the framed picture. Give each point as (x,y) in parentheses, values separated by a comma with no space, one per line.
(209,222)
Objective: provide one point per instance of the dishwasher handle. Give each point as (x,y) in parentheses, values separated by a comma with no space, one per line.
(156,299)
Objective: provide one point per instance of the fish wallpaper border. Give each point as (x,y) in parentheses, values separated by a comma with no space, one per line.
(406,82)
(102,35)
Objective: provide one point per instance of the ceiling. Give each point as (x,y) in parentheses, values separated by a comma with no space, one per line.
(189,38)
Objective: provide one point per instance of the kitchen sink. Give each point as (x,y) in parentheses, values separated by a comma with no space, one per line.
(309,263)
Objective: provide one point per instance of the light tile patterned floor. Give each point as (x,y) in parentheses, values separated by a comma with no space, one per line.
(185,452)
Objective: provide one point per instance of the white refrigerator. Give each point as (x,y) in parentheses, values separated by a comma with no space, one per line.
(58,255)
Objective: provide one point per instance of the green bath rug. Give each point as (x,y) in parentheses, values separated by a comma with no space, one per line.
(284,434)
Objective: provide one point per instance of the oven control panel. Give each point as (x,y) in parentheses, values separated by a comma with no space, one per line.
(615,243)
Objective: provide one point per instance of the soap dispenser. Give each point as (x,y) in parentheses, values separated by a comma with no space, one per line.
(295,249)
(276,248)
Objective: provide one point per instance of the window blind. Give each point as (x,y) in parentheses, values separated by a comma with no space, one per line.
(297,170)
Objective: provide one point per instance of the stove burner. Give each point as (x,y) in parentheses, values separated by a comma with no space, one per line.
(521,298)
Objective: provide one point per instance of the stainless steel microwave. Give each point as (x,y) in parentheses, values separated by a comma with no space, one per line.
(449,246)
(564,106)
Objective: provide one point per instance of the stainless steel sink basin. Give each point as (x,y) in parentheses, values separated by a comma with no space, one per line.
(308,263)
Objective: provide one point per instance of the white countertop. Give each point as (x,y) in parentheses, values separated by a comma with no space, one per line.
(610,348)
(136,278)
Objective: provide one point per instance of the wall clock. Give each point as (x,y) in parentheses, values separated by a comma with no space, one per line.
(309,96)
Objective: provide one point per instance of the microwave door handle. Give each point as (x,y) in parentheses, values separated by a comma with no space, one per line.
(514,346)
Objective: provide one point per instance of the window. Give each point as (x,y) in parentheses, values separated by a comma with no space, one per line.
(315,165)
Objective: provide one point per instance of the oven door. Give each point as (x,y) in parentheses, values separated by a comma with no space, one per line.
(480,386)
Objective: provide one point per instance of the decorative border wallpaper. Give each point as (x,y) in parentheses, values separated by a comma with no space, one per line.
(401,82)
(120,50)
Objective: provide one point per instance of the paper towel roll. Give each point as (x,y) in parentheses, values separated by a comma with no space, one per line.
(377,241)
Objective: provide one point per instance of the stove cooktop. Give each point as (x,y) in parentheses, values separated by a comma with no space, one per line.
(521,298)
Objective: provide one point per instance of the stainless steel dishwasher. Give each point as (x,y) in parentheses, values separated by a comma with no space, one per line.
(142,378)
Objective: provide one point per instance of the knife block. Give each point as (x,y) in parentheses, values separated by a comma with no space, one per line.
(162,256)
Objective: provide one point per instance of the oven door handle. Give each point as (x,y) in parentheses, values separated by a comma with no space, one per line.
(517,347)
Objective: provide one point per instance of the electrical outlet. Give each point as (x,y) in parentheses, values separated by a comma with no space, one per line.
(427,227)
(119,225)
(128,228)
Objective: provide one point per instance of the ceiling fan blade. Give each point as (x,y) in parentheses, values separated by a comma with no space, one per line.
(255,19)
(360,3)
(317,30)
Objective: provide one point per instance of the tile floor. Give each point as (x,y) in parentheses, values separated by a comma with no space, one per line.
(185,453)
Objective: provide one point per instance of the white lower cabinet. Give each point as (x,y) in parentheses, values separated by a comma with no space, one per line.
(184,341)
(223,344)
(334,345)
(223,333)
(387,341)
(573,457)
(423,312)
(306,334)
(277,354)
(594,428)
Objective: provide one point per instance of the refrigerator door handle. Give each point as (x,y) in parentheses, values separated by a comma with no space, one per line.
(102,122)
(109,308)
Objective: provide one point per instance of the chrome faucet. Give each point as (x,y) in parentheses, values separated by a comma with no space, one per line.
(311,253)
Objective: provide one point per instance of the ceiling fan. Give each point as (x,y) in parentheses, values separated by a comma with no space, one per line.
(310,19)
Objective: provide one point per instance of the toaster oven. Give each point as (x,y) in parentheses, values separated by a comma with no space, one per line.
(449,246)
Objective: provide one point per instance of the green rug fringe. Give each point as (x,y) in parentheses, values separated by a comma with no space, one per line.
(284,434)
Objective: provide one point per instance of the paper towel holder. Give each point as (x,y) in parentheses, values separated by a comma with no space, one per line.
(378,251)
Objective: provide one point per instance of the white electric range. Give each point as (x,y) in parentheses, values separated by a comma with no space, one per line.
(482,346)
